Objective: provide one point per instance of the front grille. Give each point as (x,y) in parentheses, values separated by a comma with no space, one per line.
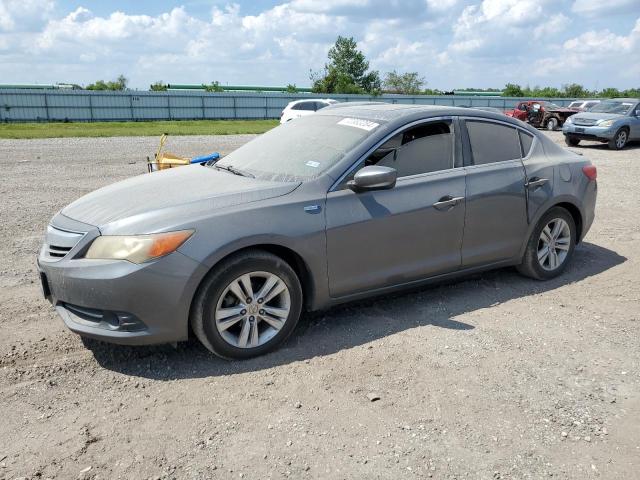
(587,122)
(58,243)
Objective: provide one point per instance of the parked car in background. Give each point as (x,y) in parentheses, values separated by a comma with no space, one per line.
(355,201)
(302,108)
(583,105)
(615,122)
(541,114)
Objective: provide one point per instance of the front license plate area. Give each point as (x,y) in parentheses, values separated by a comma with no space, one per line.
(579,130)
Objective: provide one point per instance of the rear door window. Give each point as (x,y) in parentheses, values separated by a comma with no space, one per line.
(492,142)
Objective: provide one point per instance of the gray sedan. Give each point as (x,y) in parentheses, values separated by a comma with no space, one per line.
(355,201)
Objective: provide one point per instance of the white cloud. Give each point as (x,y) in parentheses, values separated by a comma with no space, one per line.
(555,24)
(608,7)
(603,49)
(452,43)
(24,15)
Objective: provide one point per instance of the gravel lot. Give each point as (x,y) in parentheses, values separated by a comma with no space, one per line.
(496,376)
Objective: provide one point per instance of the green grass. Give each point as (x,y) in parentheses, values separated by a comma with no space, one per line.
(134,129)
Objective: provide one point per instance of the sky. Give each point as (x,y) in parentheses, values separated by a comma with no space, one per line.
(451,43)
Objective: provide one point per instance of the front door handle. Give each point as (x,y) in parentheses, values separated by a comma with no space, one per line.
(536,182)
(447,202)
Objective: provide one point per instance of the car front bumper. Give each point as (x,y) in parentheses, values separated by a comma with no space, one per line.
(589,133)
(118,301)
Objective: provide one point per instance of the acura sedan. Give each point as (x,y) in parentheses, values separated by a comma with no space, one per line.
(355,201)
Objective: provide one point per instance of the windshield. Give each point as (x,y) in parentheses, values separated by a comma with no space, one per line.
(299,150)
(621,108)
(551,106)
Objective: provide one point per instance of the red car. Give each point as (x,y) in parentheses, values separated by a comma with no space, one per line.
(542,114)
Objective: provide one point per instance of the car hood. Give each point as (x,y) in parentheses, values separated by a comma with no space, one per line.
(190,185)
(597,116)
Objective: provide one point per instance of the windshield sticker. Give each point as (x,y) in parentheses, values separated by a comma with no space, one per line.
(312,164)
(359,123)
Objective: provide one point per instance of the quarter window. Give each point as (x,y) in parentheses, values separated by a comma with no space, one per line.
(421,149)
(492,142)
(526,140)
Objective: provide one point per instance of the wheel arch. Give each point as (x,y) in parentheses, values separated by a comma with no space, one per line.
(576,214)
(287,254)
(568,204)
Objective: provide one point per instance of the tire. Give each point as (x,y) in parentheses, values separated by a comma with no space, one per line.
(571,140)
(552,124)
(547,268)
(227,326)
(619,140)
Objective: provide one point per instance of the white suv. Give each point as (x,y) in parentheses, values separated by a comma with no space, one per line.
(302,108)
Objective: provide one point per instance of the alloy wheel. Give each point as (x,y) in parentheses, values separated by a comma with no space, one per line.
(621,139)
(252,309)
(554,244)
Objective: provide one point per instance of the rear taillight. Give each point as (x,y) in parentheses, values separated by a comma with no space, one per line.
(590,172)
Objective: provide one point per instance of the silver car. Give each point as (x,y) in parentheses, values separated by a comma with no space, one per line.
(357,200)
(614,122)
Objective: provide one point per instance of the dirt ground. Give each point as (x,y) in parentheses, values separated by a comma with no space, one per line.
(493,377)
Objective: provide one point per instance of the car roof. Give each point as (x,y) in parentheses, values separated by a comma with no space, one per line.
(403,113)
(302,100)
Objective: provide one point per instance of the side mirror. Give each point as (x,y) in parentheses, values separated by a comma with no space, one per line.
(373,177)
(638,113)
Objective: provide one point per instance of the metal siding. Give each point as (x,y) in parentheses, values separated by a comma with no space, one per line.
(82,105)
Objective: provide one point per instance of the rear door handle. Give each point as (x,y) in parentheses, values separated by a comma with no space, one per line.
(536,182)
(447,202)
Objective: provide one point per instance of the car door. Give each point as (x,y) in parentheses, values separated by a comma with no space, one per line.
(389,237)
(634,123)
(521,111)
(496,206)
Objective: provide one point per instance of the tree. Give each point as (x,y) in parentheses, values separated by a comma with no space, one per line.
(512,90)
(158,86)
(118,85)
(346,71)
(213,87)
(610,93)
(291,88)
(409,83)
(575,90)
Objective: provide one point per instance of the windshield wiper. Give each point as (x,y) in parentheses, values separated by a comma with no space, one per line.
(235,171)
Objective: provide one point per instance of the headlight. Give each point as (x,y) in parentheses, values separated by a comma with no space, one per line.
(568,120)
(136,248)
(605,123)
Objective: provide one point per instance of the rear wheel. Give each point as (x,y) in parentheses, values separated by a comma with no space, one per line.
(247,306)
(619,140)
(571,140)
(552,124)
(550,246)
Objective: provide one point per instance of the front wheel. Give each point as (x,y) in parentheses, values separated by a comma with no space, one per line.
(550,246)
(552,124)
(571,140)
(619,140)
(247,306)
